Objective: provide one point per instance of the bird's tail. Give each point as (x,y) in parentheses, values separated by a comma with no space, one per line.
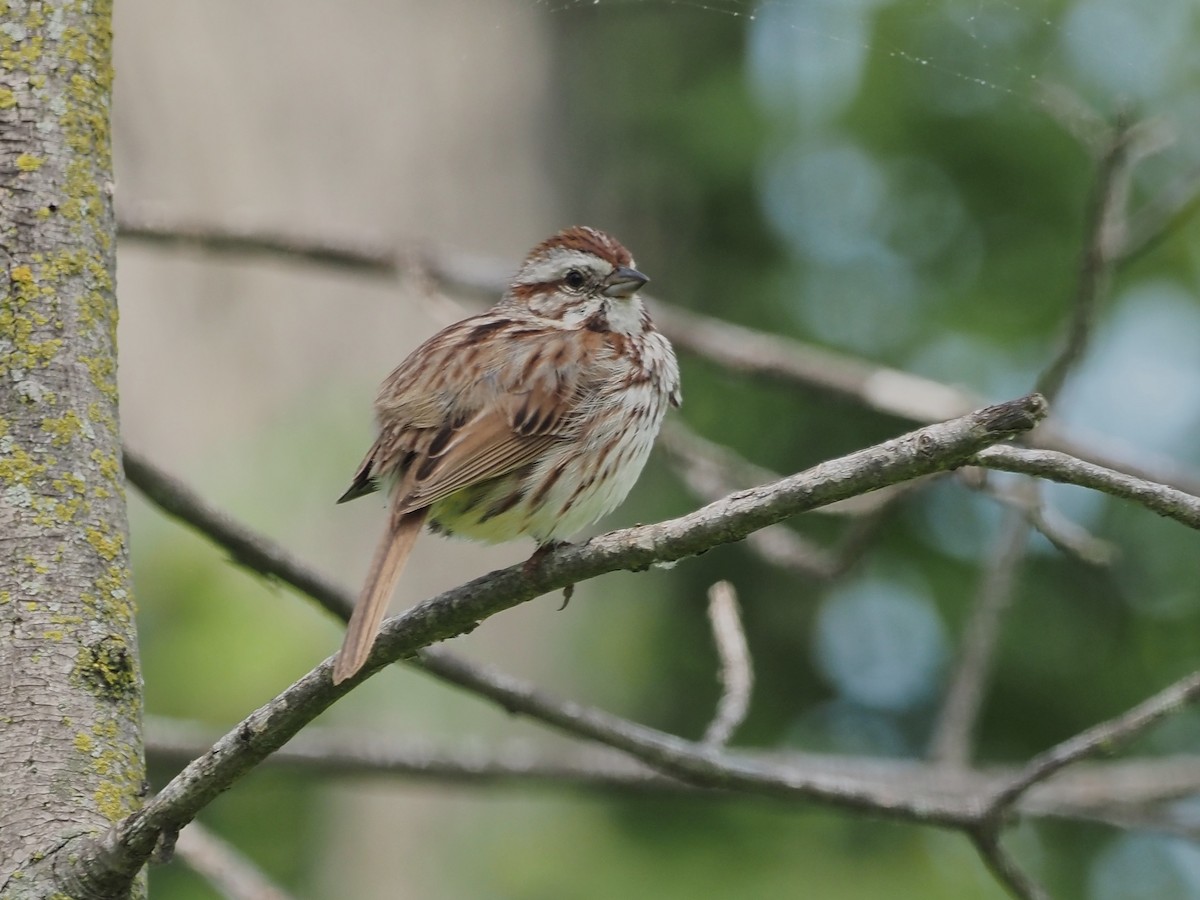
(386,567)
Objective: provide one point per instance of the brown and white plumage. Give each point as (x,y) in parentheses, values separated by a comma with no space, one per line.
(533,418)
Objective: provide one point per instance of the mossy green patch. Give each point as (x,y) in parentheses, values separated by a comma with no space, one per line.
(22,55)
(27,162)
(118,766)
(66,511)
(117,602)
(103,370)
(63,429)
(100,414)
(35,18)
(111,801)
(70,481)
(24,324)
(18,467)
(106,544)
(109,465)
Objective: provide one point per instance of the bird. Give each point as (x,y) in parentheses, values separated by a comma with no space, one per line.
(533,418)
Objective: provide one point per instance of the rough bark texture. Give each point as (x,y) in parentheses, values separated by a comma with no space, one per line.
(70,687)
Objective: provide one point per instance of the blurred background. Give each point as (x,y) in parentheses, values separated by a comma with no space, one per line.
(903,181)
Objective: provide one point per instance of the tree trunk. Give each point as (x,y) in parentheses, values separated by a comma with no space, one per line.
(70,702)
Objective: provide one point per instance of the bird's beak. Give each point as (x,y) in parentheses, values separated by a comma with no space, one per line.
(624,282)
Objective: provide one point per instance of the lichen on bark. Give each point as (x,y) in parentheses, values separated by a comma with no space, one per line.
(71,756)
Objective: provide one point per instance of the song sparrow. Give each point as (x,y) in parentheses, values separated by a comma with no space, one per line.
(533,418)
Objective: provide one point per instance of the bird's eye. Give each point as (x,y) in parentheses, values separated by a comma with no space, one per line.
(574,279)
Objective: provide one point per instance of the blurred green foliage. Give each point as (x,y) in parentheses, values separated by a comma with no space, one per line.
(898,181)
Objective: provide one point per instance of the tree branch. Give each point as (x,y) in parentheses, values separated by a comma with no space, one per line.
(1105,736)
(346,753)
(224,866)
(1103,233)
(705,766)
(955,725)
(360,255)
(1110,792)
(902,796)
(1161,216)
(1068,537)
(711,471)
(934,448)
(1103,239)
(1166,501)
(1005,868)
(246,547)
(745,350)
(736,671)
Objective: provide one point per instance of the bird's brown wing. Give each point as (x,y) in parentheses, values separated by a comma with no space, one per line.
(528,397)
(364,481)
(457,412)
(530,400)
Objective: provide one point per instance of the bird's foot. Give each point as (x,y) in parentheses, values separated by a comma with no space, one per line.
(568,593)
(535,560)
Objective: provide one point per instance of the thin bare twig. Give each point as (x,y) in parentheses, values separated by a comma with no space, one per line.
(358,254)
(712,470)
(955,726)
(1105,736)
(1166,501)
(1070,538)
(349,753)
(783,547)
(1156,820)
(1075,116)
(1104,237)
(736,671)
(709,767)
(1111,453)
(1129,793)
(224,867)
(957,719)
(760,354)
(1005,868)
(1166,213)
